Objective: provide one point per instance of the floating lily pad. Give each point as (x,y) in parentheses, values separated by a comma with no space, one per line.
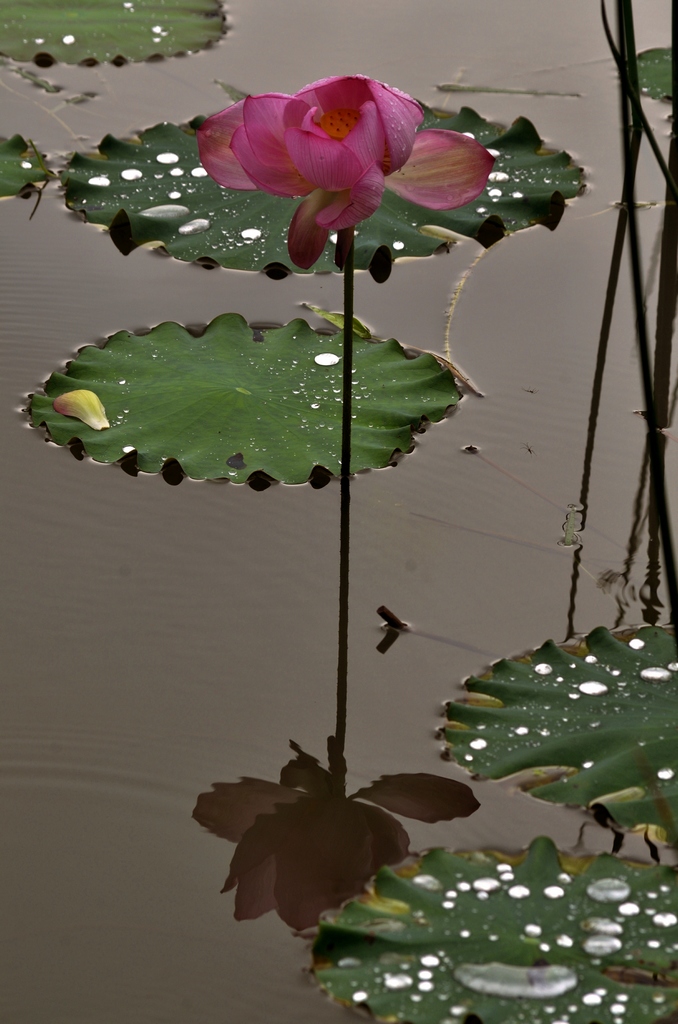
(654,73)
(234,402)
(488,939)
(18,166)
(594,724)
(155,190)
(104,30)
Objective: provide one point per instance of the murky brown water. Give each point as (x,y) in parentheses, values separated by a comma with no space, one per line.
(159,639)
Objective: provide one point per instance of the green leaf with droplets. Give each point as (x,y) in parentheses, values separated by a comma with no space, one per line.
(155,191)
(19,166)
(503,940)
(234,402)
(103,30)
(593,724)
(654,73)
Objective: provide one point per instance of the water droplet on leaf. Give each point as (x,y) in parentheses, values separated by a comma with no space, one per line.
(512,982)
(194,227)
(655,674)
(608,890)
(165,211)
(593,688)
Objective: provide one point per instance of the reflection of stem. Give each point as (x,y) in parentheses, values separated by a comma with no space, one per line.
(666,303)
(337,742)
(656,460)
(634,539)
(608,309)
(348,363)
(666,312)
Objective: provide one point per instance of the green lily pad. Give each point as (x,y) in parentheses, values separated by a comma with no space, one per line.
(106,30)
(654,73)
(591,725)
(234,402)
(482,938)
(19,166)
(155,190)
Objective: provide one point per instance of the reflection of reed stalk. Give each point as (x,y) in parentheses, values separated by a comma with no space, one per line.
(336,743)
(596,390)
(656,461)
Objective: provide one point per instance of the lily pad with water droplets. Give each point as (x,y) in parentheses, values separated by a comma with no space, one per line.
(654,73)
(480,937)
(155,190)
(18,166)
(234,402)
(593,724)
(106,30)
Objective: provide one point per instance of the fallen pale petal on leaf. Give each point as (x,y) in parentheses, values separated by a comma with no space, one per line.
(83,405)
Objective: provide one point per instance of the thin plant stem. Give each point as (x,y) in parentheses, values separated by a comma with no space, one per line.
(656,462)
(336,743)
(38,156)
(674,63)
(455,299)
(348,364)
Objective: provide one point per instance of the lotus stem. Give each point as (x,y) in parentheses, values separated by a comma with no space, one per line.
(348,361)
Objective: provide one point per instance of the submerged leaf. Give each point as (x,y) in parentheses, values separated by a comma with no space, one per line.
(485,938)
(159,192)
(337,319)
(593,725)
(234,402)
(103,30)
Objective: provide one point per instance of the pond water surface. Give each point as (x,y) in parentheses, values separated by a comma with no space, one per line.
(158,639)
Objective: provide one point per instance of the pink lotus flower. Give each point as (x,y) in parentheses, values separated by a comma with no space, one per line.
(339,142)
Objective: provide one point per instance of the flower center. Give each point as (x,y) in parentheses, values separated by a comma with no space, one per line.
(338,123)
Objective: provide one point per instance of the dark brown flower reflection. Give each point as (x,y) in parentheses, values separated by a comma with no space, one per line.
(304,846)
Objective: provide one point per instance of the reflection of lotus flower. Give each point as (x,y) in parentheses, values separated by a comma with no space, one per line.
(339,142)
(304,847)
